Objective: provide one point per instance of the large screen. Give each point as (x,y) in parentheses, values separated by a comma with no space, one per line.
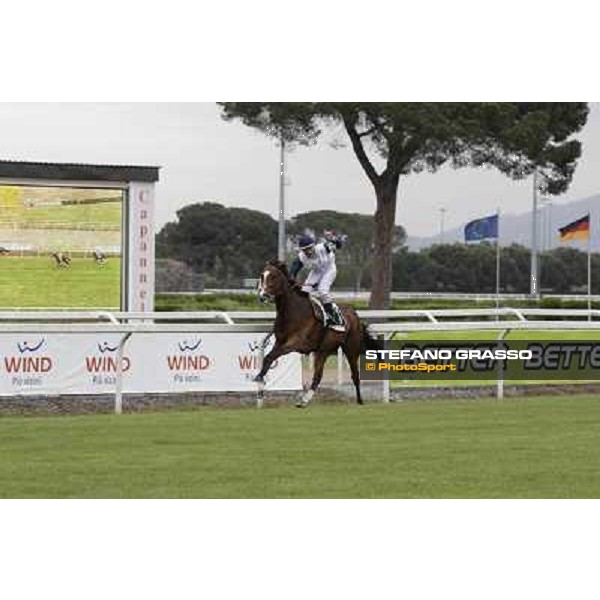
(60,247)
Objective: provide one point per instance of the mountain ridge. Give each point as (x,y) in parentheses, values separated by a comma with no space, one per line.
(516,228)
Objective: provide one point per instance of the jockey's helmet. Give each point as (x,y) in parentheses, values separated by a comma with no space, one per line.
(305,241)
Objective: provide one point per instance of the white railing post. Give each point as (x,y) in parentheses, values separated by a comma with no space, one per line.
(500,380)
(109,316)
(386,381)
(518,314)
(340,367)
(119,375)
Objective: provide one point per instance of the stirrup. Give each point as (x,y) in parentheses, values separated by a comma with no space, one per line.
(335,321)
(335,325)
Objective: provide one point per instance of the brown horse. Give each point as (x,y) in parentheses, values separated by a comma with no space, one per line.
(297,329)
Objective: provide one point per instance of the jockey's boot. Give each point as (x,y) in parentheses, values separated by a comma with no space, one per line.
(334,320)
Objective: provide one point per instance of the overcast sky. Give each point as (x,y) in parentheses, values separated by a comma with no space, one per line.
(205,158)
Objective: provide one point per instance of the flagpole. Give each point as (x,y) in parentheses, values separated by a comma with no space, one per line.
(534,284)
(498,264)
(589,271)
(281,220)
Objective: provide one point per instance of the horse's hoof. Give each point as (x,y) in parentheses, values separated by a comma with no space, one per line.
(306,398)
(258,379)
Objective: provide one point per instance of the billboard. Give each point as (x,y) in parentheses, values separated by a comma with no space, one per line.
(82,363)
(61,247)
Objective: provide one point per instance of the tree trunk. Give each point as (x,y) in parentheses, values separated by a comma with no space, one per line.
(385,217)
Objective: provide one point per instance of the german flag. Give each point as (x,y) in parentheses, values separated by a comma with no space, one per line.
(577,230)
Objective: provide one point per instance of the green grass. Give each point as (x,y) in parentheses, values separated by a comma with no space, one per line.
(528,448)
(31,282)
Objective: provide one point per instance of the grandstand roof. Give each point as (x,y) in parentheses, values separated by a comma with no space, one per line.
(76,172)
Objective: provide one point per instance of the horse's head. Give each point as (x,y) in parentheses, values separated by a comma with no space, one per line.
(273,281)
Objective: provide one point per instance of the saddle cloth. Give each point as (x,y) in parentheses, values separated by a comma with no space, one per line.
(320,313)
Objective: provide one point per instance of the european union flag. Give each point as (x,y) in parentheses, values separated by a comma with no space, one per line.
(482,229)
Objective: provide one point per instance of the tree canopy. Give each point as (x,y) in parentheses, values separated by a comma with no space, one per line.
(461,268)
(225,244)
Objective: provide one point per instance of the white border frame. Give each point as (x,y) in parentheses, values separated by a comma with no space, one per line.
(129,291)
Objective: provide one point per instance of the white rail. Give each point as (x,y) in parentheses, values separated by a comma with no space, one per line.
(131,328)
(233,317)
(127,324)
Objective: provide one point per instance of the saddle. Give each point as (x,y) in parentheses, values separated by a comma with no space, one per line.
(321,314)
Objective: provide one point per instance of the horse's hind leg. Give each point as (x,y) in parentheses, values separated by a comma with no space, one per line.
(353,362)
(319,365)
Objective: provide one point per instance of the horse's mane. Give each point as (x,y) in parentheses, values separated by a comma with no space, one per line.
(279,264)
(282,267)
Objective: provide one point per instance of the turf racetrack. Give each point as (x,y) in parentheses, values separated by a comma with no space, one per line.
(529,448)
(33,281)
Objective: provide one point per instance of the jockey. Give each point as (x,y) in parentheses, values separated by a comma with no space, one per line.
(320,258)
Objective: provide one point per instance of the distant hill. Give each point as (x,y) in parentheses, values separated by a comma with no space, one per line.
(516,229)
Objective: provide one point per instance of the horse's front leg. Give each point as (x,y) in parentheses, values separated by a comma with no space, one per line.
(276,352)
(319,365)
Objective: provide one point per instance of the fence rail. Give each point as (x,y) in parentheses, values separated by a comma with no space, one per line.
(234,316)
(383,323)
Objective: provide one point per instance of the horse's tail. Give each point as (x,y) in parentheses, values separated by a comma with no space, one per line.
(367,341)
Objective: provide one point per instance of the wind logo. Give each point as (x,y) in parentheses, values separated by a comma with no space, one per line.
(26,347)
(185,346)
(187,359)
(252,361)
(106,347)
(27,361)
(107,361)
(254,346)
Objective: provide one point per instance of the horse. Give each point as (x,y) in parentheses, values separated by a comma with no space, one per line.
(298,329)
(99,257)
(61,259)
